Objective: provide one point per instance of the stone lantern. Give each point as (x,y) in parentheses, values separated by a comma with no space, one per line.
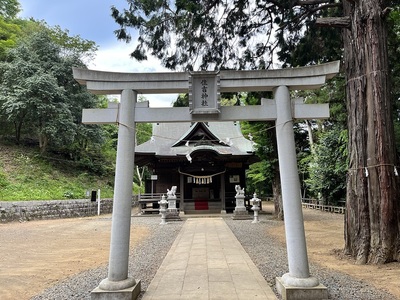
(256,207)
(163,209)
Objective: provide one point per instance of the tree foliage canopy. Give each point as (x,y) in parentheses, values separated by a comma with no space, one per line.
(9,33)
(39,94)
(211,34)
(328,167)
(9,8)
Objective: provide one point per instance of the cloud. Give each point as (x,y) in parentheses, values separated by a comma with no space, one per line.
(91,19)
(116,58)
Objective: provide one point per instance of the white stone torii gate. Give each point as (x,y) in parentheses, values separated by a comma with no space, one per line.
(281,109)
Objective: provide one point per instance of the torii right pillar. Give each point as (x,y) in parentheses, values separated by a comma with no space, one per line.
(297,284)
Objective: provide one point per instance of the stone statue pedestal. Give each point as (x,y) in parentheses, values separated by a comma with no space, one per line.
(240,212)
(172,211)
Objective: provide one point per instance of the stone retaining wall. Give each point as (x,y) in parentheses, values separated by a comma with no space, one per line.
(54,209)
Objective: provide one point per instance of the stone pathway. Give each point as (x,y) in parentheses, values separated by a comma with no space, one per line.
(206,261)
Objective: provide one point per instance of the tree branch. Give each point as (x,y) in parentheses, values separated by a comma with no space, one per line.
(309,12)
(341,22)
(311,2)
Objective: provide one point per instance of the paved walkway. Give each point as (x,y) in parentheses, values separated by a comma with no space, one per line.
(206,261)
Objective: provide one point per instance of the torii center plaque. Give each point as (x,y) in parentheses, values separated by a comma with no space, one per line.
(204,93)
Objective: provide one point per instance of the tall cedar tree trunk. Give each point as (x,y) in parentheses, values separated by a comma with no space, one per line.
(372,220)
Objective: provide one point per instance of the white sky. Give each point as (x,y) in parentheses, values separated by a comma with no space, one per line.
(91,19)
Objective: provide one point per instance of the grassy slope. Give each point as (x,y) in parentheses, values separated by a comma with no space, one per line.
(24,175)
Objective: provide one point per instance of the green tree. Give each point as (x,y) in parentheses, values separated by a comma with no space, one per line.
(311,168)
(40,95)
(9,33)
(218,34)
(72,46)
(328,167)
(9,8)
(263,177)
(31,94)
(181,101)
(10,25)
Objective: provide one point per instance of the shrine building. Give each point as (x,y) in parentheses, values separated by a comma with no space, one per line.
(205,160)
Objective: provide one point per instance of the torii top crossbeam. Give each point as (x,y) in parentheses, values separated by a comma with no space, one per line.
(303,78)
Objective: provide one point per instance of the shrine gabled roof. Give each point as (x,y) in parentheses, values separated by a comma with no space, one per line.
(177,139)
(197,134)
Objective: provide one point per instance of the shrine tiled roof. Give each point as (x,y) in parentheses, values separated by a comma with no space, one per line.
(175,139)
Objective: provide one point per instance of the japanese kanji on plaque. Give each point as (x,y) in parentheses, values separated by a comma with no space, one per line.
(204,94)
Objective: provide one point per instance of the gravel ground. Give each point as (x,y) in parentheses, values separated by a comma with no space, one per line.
(267,253)
(273,262)
(144,262)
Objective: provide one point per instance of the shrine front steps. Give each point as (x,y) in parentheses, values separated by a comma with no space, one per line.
(201,207)
(216,213)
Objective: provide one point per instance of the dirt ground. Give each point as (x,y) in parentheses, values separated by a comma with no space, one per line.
(325,241)
(36,255)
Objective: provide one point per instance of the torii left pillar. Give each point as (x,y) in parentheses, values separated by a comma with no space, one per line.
(118,285)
